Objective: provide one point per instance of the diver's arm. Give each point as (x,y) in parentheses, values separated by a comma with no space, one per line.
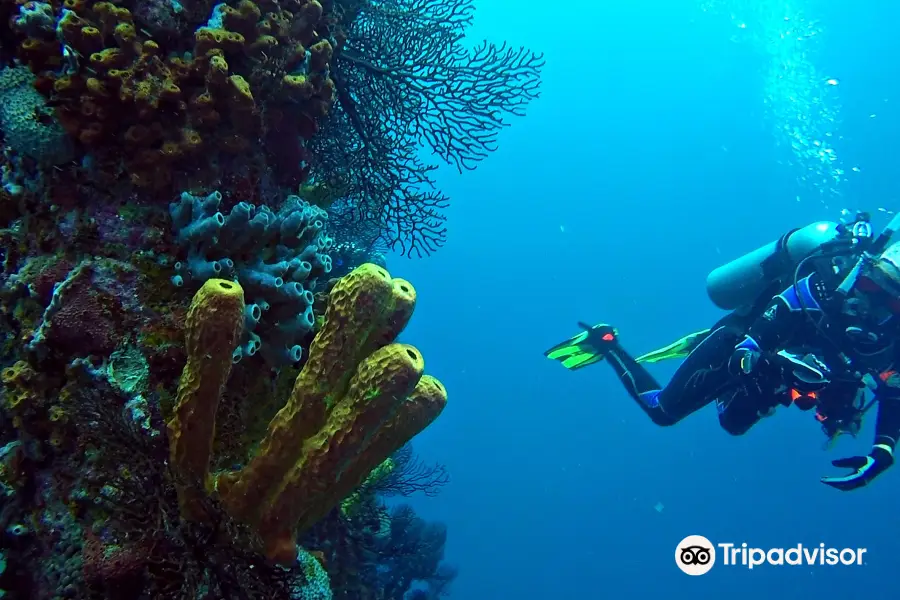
(887,430)
(785,313)
(887,425)
(769,332)
(762,351)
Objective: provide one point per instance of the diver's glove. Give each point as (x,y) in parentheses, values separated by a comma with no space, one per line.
(745,358)
(865,468)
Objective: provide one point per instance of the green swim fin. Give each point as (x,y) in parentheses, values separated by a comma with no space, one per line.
(575,353)
(678,349)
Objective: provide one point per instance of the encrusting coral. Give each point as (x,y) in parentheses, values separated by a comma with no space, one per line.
(148,108)
(360,397)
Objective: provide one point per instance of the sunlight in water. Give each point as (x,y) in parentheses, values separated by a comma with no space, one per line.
(802,103)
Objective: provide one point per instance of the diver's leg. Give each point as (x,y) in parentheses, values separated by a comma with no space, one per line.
(738,411)
(701,378)
(636,379)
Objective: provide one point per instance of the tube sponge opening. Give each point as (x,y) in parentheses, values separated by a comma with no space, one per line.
(252,315)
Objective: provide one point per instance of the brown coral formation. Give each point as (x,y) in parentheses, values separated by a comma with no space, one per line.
(154,109)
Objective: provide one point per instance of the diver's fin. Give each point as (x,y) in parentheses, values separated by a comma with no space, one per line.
(678,349)
(576,353)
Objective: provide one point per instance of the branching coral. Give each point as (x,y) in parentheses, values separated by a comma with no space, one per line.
(413,551)
(384,182)
(405,474)
(393,551)
(404,77)
(407,65)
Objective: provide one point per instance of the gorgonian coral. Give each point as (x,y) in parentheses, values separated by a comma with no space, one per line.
(412,552)
(403,78)
(393,552)
(405,474)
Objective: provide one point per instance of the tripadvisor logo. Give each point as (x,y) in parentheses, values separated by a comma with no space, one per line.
(696,555)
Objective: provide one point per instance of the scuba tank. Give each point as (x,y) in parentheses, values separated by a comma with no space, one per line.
(740,282)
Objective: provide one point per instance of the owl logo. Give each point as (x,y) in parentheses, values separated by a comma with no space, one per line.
(695,555)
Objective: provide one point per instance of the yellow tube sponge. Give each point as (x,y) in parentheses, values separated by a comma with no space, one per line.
(359,398)
(213,328)
(355,315)
(388,403)
(382,381)
(411,415)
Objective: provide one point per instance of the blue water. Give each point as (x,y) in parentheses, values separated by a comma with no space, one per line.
(650,159)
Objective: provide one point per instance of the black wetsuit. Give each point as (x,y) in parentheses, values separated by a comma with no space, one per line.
(744,406)
(708,373)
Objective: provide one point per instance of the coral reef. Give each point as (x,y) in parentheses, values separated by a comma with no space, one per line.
(101,519)
(334,97)
(126,501)
(199,355)
(392,550)
(152,108)
(28,124)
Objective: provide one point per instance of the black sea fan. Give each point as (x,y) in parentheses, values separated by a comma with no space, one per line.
(411,475)
(404,79)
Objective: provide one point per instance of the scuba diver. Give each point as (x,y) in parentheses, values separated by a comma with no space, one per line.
(839,407)
(815,322)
